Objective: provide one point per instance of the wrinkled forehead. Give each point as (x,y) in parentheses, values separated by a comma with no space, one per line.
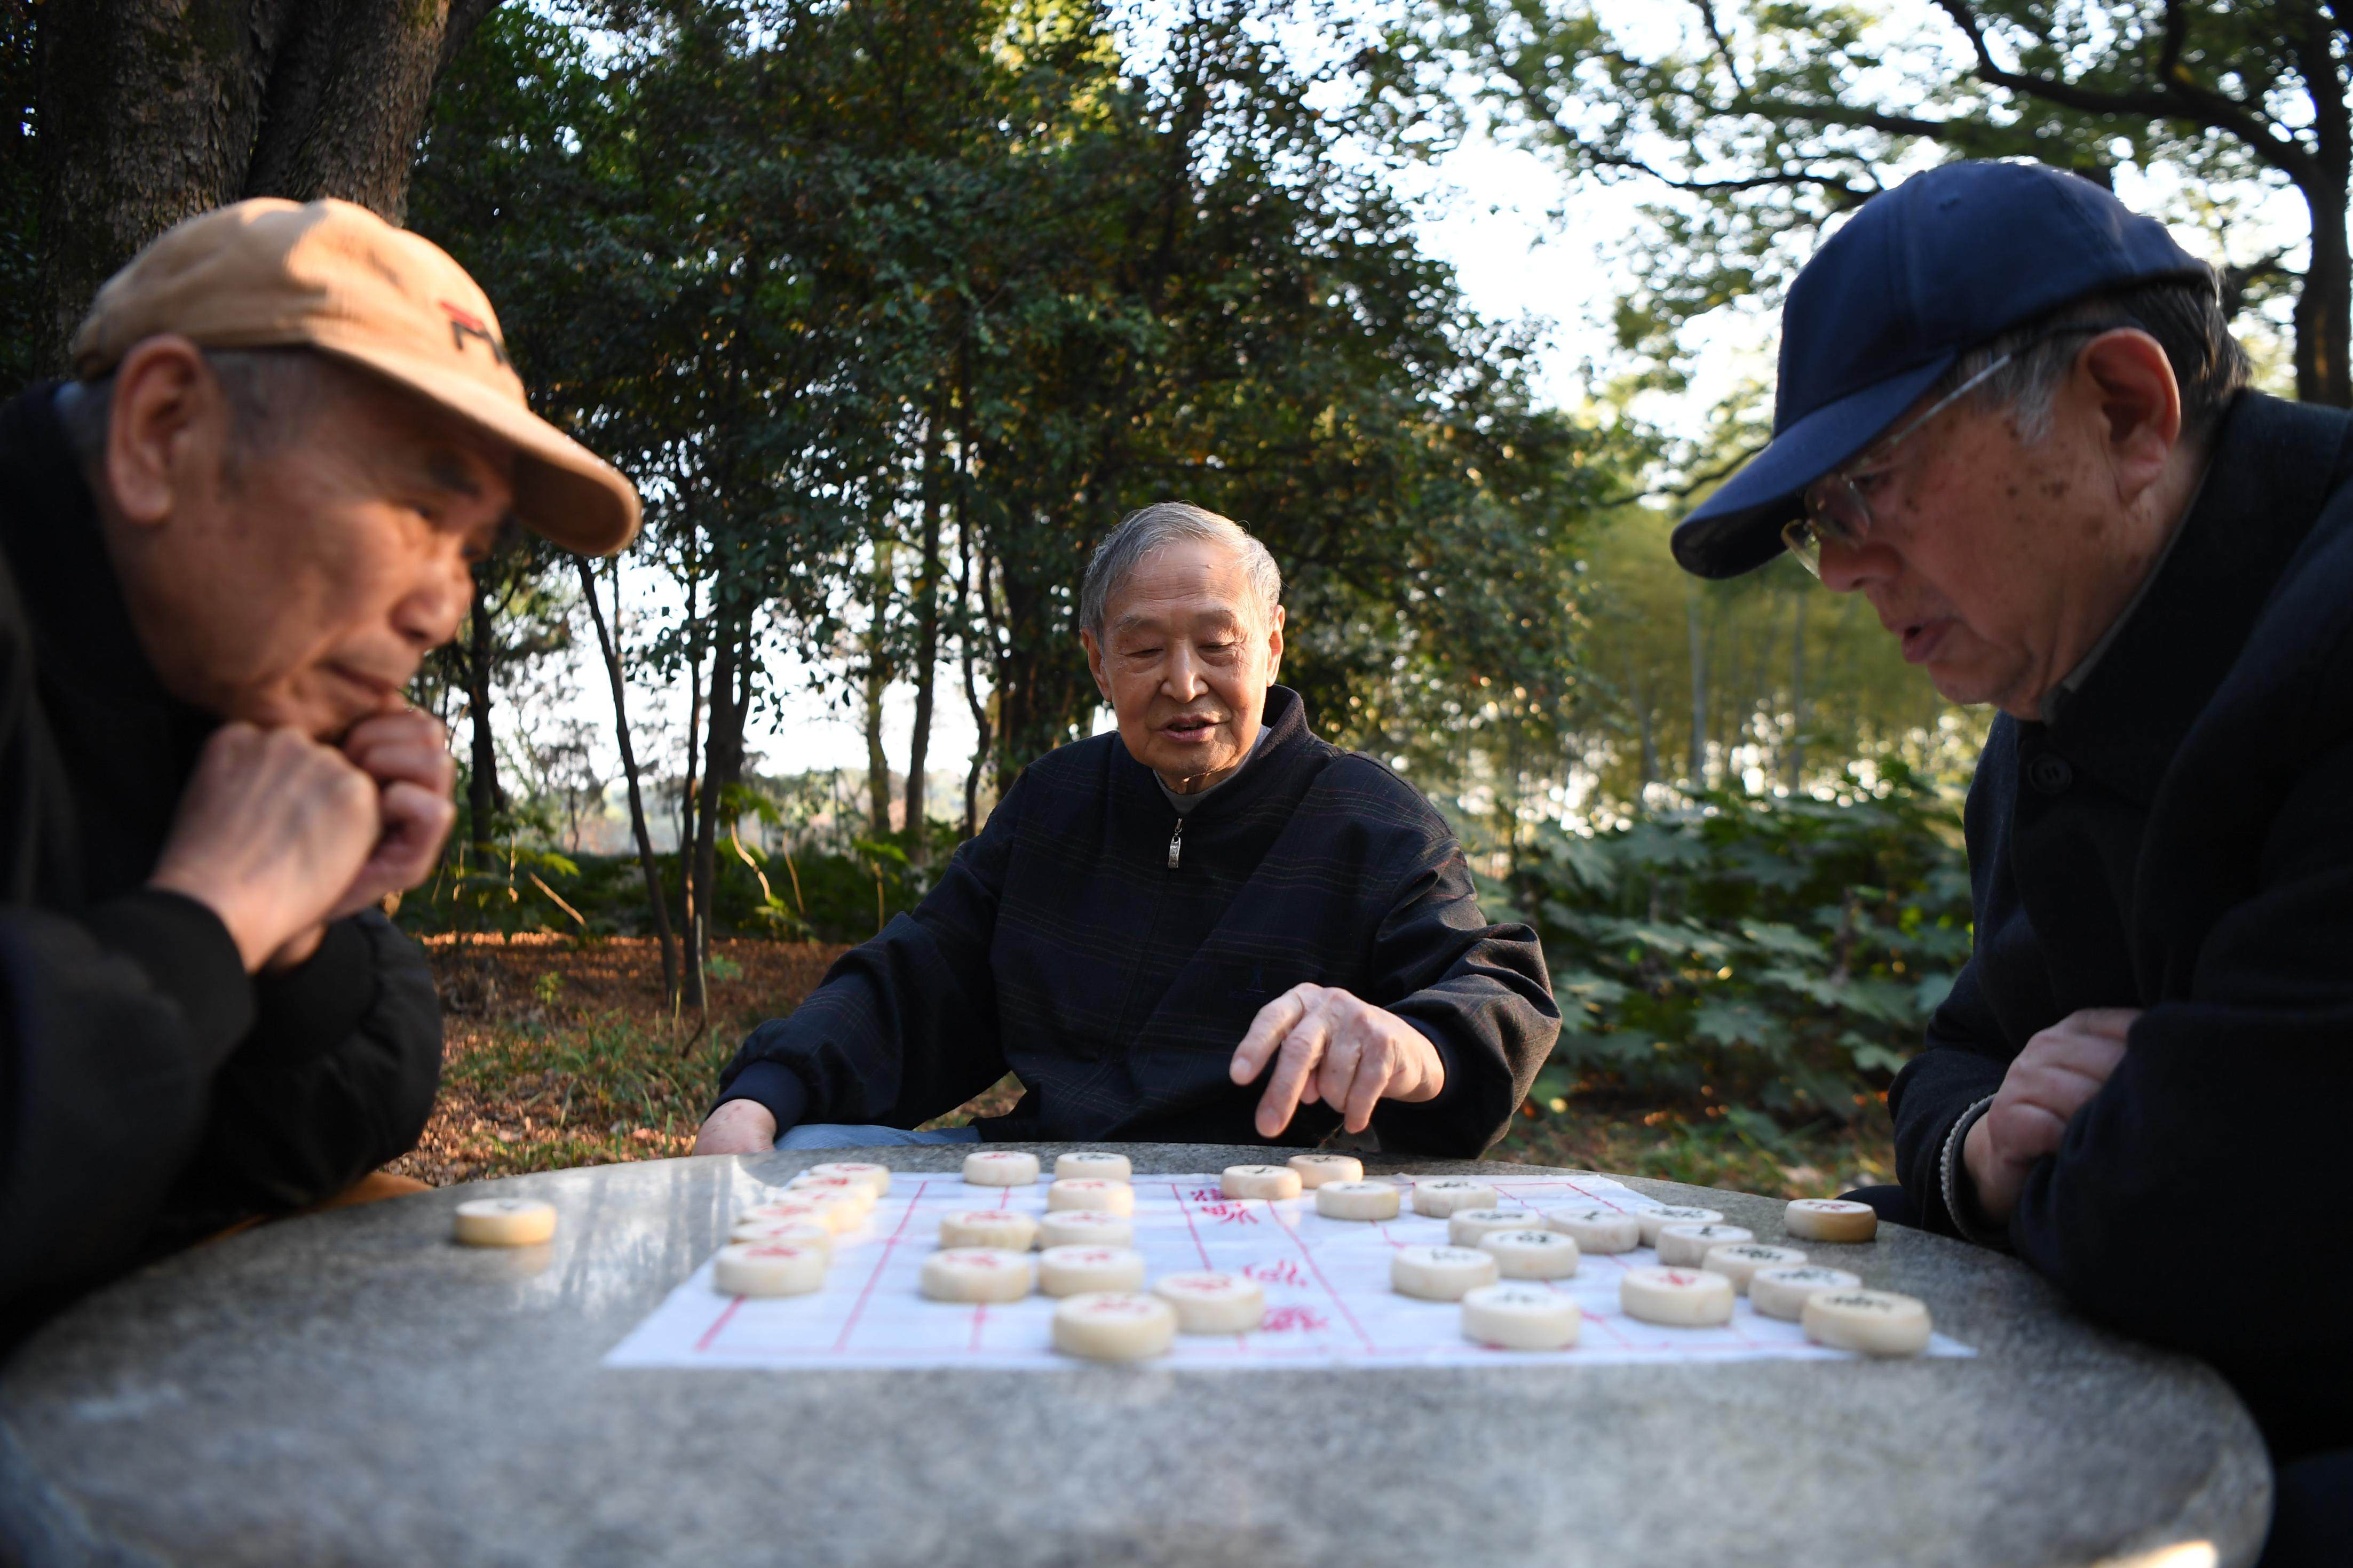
(404,441)
(1184,583)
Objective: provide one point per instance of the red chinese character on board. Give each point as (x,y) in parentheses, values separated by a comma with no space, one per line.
(1230,1213)
(1283,1273)
(1291,1320)
(1207,1194)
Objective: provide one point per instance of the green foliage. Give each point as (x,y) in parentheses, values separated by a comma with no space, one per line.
(801,896)
(1752,952)
(1757,124)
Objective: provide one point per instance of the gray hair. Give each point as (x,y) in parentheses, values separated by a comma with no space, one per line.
(1162,524)
(2184,315)
(272,395)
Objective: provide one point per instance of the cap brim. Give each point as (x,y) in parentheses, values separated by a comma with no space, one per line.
(562,492)
(1738,529)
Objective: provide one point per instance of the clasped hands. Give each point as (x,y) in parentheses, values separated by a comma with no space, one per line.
(2053,1077)
(278,833)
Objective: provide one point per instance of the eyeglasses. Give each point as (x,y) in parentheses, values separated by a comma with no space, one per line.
(1836,509)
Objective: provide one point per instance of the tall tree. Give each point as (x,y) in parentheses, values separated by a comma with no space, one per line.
(1765,121)
(152,110)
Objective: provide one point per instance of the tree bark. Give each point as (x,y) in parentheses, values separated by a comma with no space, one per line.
(877,686)
(2324,306)
(1798,692)
(153,111)
(981,733)
(723,768)
(1698,696)
(927,649)
(483,795)
(609,644)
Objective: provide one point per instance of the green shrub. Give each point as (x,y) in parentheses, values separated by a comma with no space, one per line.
(1751,953)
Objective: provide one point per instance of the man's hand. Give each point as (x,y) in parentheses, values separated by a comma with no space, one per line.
(406,754)
(272,830)
(737,1127)
(2057,1073)
(1328,1045)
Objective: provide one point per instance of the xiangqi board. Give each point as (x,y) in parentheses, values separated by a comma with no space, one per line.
(1329,1298)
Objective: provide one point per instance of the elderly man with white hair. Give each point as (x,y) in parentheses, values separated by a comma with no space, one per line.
(1151,920)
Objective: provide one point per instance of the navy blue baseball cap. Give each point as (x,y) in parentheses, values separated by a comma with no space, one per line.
(1916,278)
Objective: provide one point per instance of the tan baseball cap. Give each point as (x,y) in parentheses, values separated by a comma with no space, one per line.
(269,274)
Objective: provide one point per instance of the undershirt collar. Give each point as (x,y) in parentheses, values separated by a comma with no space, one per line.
(1183,804)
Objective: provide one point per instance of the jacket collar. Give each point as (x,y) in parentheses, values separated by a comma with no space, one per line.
(2273,466)
(1287,747)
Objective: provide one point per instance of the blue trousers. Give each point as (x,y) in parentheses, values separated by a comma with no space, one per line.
(840,1135)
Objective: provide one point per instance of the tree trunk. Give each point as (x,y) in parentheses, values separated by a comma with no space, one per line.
(1798,692)
(722,767)
(878,686)
(153,111)
(609,644)
(483,795)
(686,787)
(878,763)
(927,649)
(980,726)
(2324,306)
(1698,695)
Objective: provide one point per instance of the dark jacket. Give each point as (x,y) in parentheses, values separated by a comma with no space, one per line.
(2179,839)
(149,1091)
(1061,945)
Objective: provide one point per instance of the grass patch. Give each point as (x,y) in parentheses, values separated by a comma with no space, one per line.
(1731,1148)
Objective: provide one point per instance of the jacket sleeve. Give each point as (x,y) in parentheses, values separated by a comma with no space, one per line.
(1479,992)
(903,1028)
(112,1027)
(2223,1122)
(336,1077)
(1967,1052)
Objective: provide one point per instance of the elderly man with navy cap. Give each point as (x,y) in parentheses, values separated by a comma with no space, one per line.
(2012,415)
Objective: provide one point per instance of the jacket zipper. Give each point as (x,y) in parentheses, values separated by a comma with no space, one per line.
(1176,844)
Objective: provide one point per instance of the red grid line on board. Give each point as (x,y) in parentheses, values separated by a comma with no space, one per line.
(1309,1253)
(1185,1207)
(718,1324)
(858,1309)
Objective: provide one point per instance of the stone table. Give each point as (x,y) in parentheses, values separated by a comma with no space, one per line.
(354,1388)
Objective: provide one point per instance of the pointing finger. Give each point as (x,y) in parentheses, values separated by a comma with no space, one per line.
(1301,1048)
(1266,1032)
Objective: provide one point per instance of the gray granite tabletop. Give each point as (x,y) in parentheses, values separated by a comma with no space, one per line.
(354,1388)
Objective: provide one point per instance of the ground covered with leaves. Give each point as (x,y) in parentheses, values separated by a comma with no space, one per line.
(561,1053)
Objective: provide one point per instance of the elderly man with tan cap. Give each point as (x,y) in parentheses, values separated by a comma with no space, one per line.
(225,547)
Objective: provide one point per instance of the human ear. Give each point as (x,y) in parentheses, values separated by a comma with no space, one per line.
(2139,406)
(1095,663)
(165,425)
(1274,646)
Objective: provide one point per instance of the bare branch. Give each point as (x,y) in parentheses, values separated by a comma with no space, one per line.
(2172,98)
(1723,45)
(1690,487)
(1780,179)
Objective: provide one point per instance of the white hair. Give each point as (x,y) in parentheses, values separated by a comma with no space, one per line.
(1141,533)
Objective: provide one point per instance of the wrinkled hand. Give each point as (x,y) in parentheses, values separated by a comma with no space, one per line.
(1331,1046)
(407,754)
(737,1127)
(2053,1077)
(271,832)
